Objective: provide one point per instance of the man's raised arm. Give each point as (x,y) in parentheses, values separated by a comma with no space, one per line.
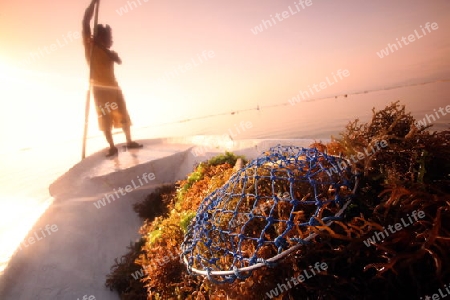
(87,19)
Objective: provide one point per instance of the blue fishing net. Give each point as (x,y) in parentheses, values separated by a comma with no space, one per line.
(265,211)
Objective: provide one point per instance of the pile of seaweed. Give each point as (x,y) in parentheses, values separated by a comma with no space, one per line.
(409,177)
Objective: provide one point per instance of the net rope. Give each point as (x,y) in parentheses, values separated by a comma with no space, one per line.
(265,211)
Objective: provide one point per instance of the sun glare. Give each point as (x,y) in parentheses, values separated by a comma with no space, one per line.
(17,217)
(42,107)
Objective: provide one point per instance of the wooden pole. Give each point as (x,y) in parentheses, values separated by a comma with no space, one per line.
(88,94)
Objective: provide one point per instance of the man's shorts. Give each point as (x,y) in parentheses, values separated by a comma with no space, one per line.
(111,108)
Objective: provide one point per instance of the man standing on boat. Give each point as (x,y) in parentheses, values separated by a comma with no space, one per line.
(109,101)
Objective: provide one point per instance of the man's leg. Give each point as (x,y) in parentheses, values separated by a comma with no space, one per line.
(120,116)
(109,138)
(130,143)
(127,131)
(112,149)
(102,96)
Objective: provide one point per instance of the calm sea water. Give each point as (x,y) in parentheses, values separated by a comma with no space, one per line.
(26,174)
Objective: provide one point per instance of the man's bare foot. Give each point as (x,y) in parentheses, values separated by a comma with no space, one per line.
(112,152)
(133,145)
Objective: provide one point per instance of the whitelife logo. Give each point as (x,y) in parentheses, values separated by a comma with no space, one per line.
(39,235)
(430,118)
(306,274)
(194,62)
(381,235)
(299,6)
(411,38)
(42,51)
(110,197)
(157,262)
(342,165)
(341,74)
(86,297)
(439,296)
(131,5)
(108,107)
(241,219)
(215,143)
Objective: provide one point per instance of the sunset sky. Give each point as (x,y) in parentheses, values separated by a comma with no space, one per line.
(231,67)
